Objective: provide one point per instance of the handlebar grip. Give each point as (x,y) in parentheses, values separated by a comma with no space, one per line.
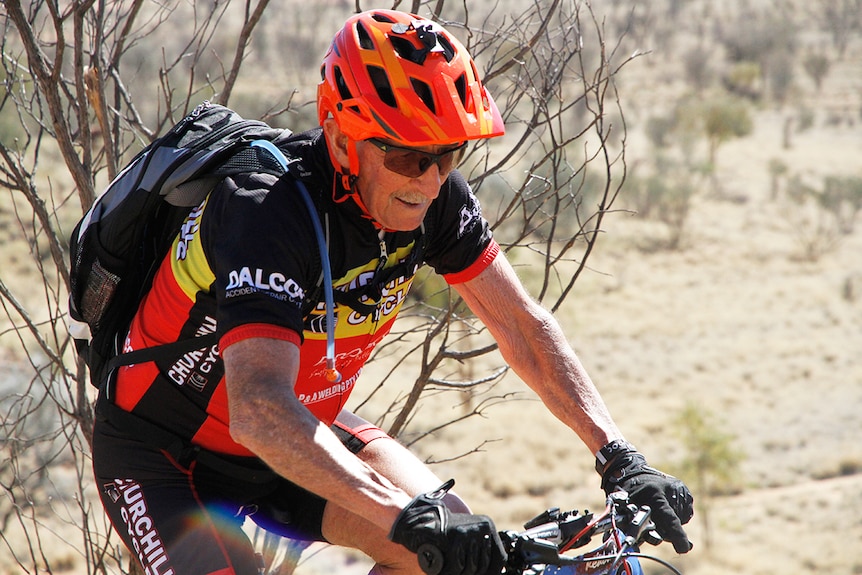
(430,559)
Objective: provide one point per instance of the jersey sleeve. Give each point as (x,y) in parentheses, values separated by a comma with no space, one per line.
(460,245)
(259,242)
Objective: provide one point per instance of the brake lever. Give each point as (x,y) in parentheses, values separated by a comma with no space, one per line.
(560,528)
(642,527)
(547,516)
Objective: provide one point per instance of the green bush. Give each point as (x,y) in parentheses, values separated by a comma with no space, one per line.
(817,65)
(711,464)
(744,79)
(725,118)
(842,196)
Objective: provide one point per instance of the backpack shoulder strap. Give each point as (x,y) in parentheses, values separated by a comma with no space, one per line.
(164,351)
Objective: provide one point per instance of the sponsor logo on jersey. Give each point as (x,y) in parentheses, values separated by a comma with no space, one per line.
(356,355)
(392,296)
(471,214)
(334,390)
(194,368)
(247,281)
(361,280)
(144,536)
(188,232)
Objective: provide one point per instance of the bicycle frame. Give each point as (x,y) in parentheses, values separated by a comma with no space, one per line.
(612,557)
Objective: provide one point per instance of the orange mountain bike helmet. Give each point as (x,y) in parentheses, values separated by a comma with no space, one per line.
(405,79)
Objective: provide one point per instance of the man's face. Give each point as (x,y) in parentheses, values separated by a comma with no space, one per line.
(395,200)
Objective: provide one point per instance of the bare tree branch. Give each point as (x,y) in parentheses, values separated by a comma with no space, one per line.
(241,45)
(49,79)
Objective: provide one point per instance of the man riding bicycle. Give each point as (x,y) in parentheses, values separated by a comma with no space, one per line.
(256,426)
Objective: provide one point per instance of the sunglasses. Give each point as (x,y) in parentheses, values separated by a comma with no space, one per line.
(413,163)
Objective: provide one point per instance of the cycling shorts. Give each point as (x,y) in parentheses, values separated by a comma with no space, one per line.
(180,517)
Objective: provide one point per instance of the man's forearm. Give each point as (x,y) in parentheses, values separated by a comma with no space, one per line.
(547,363)
(267,418)
(533,344)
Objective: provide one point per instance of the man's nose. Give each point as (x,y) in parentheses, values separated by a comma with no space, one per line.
(430,181)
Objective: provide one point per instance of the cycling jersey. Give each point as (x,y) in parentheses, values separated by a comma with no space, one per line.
(246,264)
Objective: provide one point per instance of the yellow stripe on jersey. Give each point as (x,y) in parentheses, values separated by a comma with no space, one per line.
(189,264)
(393,259)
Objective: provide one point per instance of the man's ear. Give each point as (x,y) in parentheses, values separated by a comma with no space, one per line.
(337,142)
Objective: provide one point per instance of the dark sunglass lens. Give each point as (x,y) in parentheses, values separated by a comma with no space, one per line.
(423,163)
(402,162)
(450,160)
(415,163)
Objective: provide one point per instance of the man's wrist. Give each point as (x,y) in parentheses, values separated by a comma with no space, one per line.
(611,451)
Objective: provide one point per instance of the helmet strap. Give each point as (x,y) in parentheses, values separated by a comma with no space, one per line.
(348,181)
(349,190)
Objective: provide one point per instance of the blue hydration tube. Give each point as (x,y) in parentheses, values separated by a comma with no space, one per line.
(332,373)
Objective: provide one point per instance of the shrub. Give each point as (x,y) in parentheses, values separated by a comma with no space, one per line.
(711,464)
(817,66)
(744,79)
(725,119)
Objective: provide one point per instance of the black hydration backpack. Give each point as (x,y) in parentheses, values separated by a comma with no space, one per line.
(120,242)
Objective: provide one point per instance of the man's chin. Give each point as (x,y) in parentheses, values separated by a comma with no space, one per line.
(405,218)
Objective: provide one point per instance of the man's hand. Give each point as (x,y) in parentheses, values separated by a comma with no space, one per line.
(622,467)
(449,543)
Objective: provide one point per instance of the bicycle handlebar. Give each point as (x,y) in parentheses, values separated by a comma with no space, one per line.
(623,525)
(547,536)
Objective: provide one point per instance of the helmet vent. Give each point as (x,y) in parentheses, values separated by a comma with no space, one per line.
(343,90)
(405,49)
(448,49)
(365,41)
(461,86)
(382,18)
(424,92)
(382,85)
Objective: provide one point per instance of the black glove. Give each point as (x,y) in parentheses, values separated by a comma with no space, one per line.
(448,543)
(622,467)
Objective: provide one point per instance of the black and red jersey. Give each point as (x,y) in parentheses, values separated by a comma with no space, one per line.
(246,264)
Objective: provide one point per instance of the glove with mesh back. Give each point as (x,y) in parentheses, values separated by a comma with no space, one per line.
(623,468)
(448,543)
